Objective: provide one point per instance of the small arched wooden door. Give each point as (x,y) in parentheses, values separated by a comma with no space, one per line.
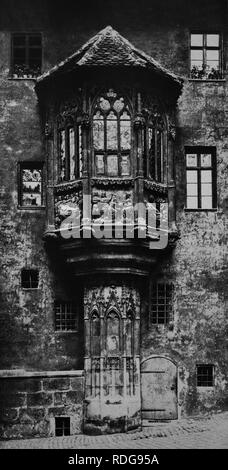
(158,389)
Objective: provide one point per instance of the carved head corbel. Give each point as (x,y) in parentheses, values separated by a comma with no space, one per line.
(85,121)
(172,131)
(139,121)
(48,131)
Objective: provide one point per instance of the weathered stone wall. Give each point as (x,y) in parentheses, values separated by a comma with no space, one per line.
(30,402)
(198,266)
(158,27)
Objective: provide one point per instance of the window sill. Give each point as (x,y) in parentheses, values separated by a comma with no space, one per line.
(205,388)
(30,288)
(23,78)
(209,80)
(65,332)
(31,208)
(200,210)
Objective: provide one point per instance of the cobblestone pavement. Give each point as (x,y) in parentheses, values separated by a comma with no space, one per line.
(195,433)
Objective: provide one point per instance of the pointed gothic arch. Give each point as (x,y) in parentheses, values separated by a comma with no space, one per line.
(111,135)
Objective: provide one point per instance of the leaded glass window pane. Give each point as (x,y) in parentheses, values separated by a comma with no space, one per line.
(191,159)
(100,164)
(104,104)
(119,105)
(98,131)
(197,40)
(125,165)
(112,136)
(206,176)
(112,141)
(205,159)
(191,176)
(212,40)
(125,131)
(112,165)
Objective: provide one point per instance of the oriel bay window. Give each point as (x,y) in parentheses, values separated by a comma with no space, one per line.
(70,152)
(111,136)
(200,178)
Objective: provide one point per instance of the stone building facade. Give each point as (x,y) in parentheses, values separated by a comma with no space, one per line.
(114,210)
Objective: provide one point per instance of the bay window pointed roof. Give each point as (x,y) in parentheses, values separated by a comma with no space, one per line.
(109,49)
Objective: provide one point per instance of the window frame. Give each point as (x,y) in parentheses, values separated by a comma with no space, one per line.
(78,172)
(168,313)
(204,48)
(64,424)
(106,152)
(27,35)
(159,167)
(212,366)
(29,165)
(202,150)
(74,311)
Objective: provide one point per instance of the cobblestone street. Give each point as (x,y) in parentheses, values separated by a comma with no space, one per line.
(194,433)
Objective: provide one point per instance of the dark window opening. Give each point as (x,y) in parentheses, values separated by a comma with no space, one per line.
(26,55)
(70,152)
(154,148)
(29,278)
(65,316)
(206,56)
(30,184)
(200,178)
(205,375)
(161,303)
(62,426)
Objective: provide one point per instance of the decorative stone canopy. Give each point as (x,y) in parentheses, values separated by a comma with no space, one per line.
(109,49)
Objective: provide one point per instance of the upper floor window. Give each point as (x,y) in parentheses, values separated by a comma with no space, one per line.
(26,55)
(30,184)
(206,56)
(112,136)
(154,148)
(70,152)
(200,178)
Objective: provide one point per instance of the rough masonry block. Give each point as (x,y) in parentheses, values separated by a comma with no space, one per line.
(40,399)
(60,383)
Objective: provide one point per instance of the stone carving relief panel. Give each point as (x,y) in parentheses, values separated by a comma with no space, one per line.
(67,205)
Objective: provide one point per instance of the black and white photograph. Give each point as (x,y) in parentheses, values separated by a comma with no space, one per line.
(113,229)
